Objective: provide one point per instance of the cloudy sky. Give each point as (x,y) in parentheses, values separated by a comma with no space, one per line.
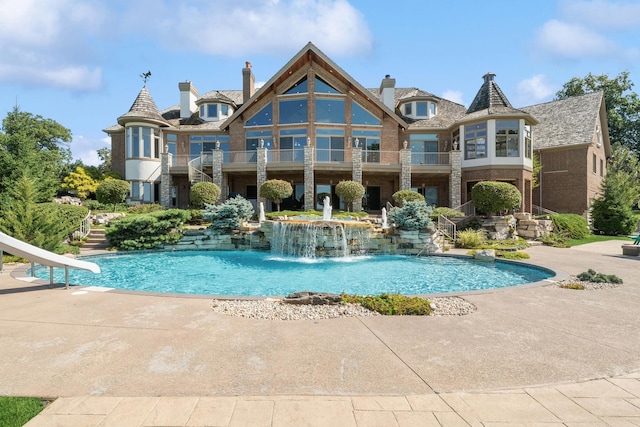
(79,62)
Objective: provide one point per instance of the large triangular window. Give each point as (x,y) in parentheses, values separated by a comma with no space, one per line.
(263,117)
(300,87)
(324,87)
(360,116)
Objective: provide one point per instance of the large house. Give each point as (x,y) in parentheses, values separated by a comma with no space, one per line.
(314,125)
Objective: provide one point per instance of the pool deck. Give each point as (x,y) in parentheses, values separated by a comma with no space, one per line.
(528,356)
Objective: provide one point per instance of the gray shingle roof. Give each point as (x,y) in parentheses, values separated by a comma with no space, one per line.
(229,96)
(564,122)
(143,108)
(489,96)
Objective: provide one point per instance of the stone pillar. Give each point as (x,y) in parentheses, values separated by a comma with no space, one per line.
(356,174)
(405,164)
(455,179)
(309,181)
(216,164)
(261,170)
(165,180)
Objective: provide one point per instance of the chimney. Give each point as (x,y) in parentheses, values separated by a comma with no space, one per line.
(388,92)
(248,82)
(188,96)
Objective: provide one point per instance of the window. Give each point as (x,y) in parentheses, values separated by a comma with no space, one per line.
(135,190)
(172,146)
(420,109)
(507,144)
(324,87)
(424,149)
(330,145)
(263,117)
(475,141)
(430,194)
(595,164)
(300,87)
(292,111)
(292,143)
(360,116)
(601,167)
(252,142)
(146,192)
(528,148)
(408,109)
(329,110)
(142,142)
(369,140)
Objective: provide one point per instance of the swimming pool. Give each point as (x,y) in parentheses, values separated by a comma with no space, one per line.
(251,273)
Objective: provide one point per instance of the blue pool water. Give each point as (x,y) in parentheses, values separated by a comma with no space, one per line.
(247,273)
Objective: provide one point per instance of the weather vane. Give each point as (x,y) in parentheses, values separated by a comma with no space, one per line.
(145,77)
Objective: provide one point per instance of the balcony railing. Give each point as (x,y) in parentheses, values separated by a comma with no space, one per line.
(430,158)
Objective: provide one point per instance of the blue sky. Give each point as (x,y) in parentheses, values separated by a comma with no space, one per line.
(79,62)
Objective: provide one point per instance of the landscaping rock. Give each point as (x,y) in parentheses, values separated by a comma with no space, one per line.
(312,298)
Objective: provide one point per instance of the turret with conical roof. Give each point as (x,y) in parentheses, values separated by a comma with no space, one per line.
(489,97)
(143,108)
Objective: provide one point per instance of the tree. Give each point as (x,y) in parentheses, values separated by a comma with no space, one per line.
(80,183)
(33,146)
(22,219)
(276,190)
(623,105)
(611,212)
(413,215)
(403,196)
(112,191)
(105,157)
(349,191)
(204,193)
(495,197)
(229,215)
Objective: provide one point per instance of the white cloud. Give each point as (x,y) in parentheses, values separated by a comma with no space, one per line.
(87,149)
(534,90)
(453,95)
(602,14)
(46,43)
(572,41)
(238,27)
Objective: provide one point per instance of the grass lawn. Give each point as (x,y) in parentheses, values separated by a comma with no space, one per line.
(594,239)
(17,411)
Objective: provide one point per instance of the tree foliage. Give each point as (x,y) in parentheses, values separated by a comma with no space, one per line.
(611,211)
(623,105)
(147,231)
(229,215)
(495,197)
(80,183)
(349,191)
(403,196)
(112,191)
(276,190)
(204,193)
(413,215)
(33,146)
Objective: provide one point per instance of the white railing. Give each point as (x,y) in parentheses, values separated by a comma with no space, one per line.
(195,173)
(468,208)
(85,227)
(539,210)
(447,227)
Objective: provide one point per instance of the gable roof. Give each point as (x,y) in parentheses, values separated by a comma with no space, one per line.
(144,108)
(570,121)
(311,53)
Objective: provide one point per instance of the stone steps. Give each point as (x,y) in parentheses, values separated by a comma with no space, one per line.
(96,240)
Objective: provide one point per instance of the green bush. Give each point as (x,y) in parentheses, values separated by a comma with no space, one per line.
(69,215)
(204,193)
(147,231)
(403,196)
(413,215)
(591,276)
(495,197)
(229,215)
(391,304)
(276,190)
(144,208)
(470,238)
(349,191)
(446,212)
(612,217)
(571,226)
(112,191)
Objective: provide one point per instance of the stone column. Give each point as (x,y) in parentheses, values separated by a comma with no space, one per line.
(216,165)
(309,181)
(405,171)
(455,179)
(165,180)
(261,170)
(356,159)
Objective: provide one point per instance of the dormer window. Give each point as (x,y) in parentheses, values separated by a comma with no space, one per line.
(212,112)
(419,109)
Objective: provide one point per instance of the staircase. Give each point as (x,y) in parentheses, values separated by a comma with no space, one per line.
(95,241)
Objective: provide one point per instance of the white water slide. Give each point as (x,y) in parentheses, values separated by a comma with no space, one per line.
(43,257)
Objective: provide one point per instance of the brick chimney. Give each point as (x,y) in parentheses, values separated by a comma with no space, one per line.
(188,96)
(248,82)
(388,92)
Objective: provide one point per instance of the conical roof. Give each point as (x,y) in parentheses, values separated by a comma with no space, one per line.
(490,96)
(143,108)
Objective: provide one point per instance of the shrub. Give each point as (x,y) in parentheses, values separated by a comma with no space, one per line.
(276,190)
(144,208)
(413,215)
(612,217)
(446,212)
(229,215)
(495,197)
(470,239)
(571,226)
(204,193)
(112,191)
(147,231)
(403,196)
(391,304)
(349,191)
(68,215)
(591,276)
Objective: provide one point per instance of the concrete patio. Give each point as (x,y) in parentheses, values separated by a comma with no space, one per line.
(528,356)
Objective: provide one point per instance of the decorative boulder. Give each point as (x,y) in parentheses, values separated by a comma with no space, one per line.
(312,298)
(486,255)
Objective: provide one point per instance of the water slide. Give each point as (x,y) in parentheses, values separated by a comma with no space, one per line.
(41,256)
